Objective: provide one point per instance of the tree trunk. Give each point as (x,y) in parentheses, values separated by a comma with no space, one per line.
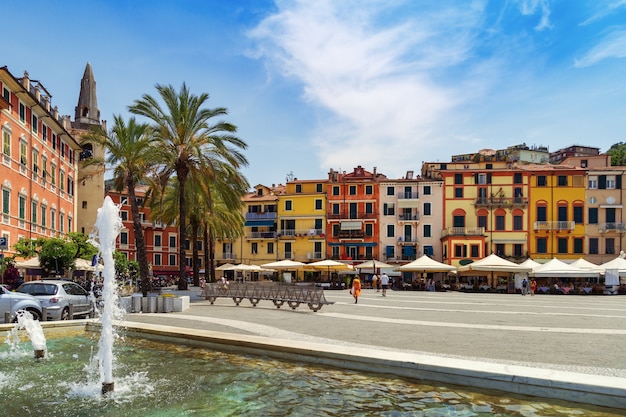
(195,256)
(208,265)
(212,254)
(142,257)
(182,276)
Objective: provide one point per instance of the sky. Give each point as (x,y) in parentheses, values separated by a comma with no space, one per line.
(333,84)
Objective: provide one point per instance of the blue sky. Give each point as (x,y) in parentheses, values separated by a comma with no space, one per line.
(315,85)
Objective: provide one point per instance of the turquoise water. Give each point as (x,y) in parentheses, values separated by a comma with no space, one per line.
(158,379)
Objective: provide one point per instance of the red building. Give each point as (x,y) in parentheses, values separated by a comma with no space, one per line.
(352,214)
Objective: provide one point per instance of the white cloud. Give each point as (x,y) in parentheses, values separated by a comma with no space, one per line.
(604,12)
(532,7)
(374,82)
(613,45)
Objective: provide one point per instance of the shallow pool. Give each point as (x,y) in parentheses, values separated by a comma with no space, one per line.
(159,379)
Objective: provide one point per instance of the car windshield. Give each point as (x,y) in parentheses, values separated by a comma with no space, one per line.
(38,289)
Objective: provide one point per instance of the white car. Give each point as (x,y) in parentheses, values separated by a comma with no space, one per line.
(13,302)
(57,296)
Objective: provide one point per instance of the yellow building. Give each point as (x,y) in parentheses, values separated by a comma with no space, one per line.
(557,211)
(301,221)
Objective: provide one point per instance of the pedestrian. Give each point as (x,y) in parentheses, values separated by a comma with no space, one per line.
(375,282)
(524,286)
(533,286)
(355,289)
(384,282)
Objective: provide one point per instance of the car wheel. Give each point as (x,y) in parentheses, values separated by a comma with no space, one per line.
(65,314)
(36,314)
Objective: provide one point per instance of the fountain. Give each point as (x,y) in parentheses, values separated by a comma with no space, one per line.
(33,328)
(108,224)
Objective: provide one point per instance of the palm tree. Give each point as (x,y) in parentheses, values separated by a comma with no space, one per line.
(129,149)
(189,144)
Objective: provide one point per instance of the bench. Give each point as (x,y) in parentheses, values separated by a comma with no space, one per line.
(278,293)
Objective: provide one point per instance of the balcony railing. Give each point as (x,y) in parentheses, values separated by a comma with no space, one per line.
(301,233)
(227,255)
(555,226)
(613,227)
(463,231)
(262,235)
(408,217)
(408,239)
(350,234)
(408,196)
(315,255)
(261,216)
(501,201)
(353,215)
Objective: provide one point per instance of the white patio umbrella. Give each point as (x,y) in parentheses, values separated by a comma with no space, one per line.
(559,269)
(588,266)
(494,263)
(285,264)
(328,265)
(28,263)
(373,264)
(618,263)
(225,267)
(425,264)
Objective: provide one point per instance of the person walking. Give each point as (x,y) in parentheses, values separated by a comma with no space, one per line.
(384,282)
(375,282)
(524,286)
(533,286)
(355,289)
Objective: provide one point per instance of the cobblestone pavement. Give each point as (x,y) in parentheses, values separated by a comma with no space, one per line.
(585,334)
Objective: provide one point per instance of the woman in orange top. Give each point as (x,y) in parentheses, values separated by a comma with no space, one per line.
(356,289)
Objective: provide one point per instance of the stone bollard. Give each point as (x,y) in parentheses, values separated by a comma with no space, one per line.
(44,314)
(7,317)
(71,306)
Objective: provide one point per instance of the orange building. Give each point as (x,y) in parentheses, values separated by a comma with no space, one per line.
(39,163)
(352,214)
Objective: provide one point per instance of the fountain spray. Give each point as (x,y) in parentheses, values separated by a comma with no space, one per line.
(108,225)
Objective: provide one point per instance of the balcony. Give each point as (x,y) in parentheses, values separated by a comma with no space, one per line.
(408,195)
(350,234)
(261,216)
(312,233)
(407,217)
(558,226)
(314,256)
(463,231)
(612,227)
(361,215)
(262,235)
(227,255)
(501,202)
(408,240)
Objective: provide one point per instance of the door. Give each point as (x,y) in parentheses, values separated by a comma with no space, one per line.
(79,298)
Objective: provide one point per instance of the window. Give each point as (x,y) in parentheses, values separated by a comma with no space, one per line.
(35,125)
(542,245)
(62,222)
(518,250)
(61,180)
(157,259)
(22,111)
(460,251)
(33,213)
(593,215)
(319,204)
(518,222)
(43,215)
(123,213)
(6,142)
(254,248)
(318,224)
(542,213)
(369,190)
(458,179)
(123,238)
(474,251)
(369,229)
(198,245)
(23,157)
(288,205)
(352,190)
(369,208)
(53,174)
(391,190)
(609,214)
(578,245)
(578,214)
(593,183)
(426,209)
(458,221)
(426,190)
(172,241)
(6,200)
(298,188)
(500,249)
(426,230)
(391,230)
(482,179)
(335,208)
(562,245)
(270,247)
(318,188)
(562,180)
(157,240)
(610,182)
(609,243)
(22,207)
(482,221)
(593,245)
(500,222)
(458,192)
(336,190)
(389,209)
(517,178)
(542,181)
(53,219)
(562,213)
(172,260)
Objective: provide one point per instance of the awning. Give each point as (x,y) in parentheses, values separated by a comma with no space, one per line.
(351,225)
(260,223)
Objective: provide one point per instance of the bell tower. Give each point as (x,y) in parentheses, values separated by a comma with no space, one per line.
(90,184)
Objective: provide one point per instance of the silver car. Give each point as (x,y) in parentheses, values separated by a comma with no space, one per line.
(57,296)
(13,302)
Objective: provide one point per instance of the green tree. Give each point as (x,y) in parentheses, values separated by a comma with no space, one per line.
(57,255)
(84,248)
(189,144)
(129,150)
(618,154)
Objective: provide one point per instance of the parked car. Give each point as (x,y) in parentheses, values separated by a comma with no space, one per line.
(14,302)
(57,296)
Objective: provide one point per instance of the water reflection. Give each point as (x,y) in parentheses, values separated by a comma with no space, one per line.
(156,379)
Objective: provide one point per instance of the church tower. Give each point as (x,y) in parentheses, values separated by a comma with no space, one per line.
(90,184)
